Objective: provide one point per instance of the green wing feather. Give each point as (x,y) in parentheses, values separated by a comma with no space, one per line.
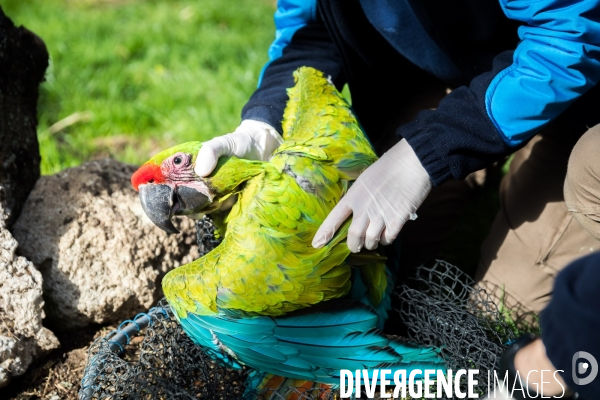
(319,124)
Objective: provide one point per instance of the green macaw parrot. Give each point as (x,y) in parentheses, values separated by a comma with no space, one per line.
(251,299)
(266,264)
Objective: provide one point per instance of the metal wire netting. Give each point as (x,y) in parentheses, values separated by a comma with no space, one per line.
(167,365)
(437,305)
(442,306)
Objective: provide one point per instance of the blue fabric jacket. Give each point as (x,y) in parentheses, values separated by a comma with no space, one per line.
(515,65)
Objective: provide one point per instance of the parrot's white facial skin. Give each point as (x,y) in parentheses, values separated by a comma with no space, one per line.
(178,170)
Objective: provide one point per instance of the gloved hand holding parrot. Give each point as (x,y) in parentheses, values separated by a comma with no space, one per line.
(265,297)
(252,140)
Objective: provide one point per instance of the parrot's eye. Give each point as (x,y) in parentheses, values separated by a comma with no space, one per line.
(177,160)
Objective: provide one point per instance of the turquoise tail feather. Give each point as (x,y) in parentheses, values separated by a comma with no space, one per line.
(311,345)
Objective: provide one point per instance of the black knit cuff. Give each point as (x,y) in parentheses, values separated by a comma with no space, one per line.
(264,113)
(420,141)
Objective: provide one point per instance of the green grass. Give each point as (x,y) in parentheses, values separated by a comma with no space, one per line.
(141,76)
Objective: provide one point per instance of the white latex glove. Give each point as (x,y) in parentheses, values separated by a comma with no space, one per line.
(381,200)
(252,140)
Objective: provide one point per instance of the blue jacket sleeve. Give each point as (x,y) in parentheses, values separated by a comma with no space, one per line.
(557,60)
(301,40)
(290,16)
(555,63)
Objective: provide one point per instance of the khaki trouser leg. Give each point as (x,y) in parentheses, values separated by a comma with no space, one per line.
(534,235)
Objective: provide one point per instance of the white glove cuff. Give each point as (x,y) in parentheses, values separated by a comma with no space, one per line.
(403,158)
(265,139)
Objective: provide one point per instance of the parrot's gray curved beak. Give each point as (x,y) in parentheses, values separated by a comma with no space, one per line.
(157,202)
(190,200)
(160,202)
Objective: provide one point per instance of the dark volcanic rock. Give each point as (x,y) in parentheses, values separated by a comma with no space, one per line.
(23,61)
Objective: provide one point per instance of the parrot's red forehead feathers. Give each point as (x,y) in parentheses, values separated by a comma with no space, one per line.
(147,173)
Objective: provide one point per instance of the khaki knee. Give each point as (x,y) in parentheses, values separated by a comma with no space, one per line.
(582,183)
